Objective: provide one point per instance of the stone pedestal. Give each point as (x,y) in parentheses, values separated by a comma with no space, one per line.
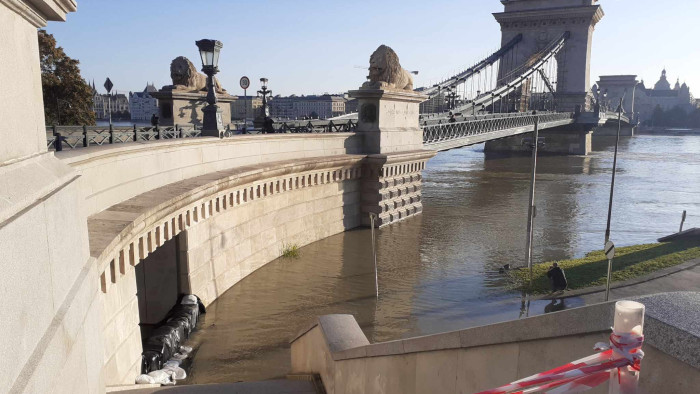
(565,140)
(186,108)
(213,124)
(391,135)
(388,120)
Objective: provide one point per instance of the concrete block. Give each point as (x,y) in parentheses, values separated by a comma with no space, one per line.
(476,367)
(437,372)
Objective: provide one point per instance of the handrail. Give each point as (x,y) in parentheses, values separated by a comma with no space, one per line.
(437,133)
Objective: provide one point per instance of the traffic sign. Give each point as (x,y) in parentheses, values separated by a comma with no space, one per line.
(109,85)
(610,250)
(245,83)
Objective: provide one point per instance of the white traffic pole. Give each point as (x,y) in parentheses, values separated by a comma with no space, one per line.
(629,319)
(374,253)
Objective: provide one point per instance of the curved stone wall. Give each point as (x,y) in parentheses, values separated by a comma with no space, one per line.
(232,222)
(114,173)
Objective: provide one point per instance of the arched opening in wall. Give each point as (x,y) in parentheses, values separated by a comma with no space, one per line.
(161,278)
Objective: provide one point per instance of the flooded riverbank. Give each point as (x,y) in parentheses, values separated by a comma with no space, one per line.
(438,272)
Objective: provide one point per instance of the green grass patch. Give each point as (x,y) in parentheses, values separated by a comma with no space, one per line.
(630,262)
(290,251)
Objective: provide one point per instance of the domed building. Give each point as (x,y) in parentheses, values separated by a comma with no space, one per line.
(646,99)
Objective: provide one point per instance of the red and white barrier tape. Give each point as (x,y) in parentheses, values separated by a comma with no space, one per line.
(625,350)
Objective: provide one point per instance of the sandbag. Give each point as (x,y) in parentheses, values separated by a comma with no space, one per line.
(183,321)
(161,377)
(167,339)
(189,300)
(145,379)
(176,372)
(178,330)
(191,311)
(151,360)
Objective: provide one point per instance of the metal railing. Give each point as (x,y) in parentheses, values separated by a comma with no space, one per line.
(316,126)
(59,138)
(450,131)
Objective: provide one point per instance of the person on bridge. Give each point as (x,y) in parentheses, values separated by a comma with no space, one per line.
(452,118)
(557,278)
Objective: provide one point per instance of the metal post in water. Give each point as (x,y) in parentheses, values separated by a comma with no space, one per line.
(372,216)
(614,170)
(629,319)
(531,206)
(682,221)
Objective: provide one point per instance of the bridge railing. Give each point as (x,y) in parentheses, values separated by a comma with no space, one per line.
(449,131)
(59,138)
(316,126)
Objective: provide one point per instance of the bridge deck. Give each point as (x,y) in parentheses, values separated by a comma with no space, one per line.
(447,136)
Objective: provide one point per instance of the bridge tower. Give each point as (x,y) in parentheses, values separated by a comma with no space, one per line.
(543,21)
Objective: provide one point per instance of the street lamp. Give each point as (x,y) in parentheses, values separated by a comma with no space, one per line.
(213,125)
(265,111)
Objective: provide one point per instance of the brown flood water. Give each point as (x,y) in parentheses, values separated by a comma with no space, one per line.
(438,271)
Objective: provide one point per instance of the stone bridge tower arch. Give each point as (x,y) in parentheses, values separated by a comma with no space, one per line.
(542,21)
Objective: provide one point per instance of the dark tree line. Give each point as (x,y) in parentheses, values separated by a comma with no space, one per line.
(675,117)
(67,96)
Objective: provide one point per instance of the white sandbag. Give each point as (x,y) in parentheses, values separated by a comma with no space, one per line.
(185,350)
(172,363)
(145,379)
(189,300)
(161,376)
(179,357)
(177,373)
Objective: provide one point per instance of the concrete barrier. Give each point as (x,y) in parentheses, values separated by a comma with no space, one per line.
(485,357)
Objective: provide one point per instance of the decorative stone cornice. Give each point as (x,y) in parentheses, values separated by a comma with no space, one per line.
(39,12)
(564,16)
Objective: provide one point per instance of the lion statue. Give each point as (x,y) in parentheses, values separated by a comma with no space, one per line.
(385,71)
(186,77)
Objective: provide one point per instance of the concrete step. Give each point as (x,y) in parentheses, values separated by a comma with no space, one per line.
(280,386)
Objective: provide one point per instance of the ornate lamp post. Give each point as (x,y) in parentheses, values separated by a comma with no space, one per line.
(213,125)
(265,111)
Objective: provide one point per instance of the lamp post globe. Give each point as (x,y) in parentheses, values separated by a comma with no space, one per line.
(209,51)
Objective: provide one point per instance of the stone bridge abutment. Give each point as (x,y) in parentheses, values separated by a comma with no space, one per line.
(201,214)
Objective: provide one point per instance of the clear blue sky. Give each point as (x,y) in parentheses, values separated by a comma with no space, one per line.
(313,46)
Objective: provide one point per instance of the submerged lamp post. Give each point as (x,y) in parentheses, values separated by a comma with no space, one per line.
(213,125)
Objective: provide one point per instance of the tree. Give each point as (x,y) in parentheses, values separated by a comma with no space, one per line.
(67,96)
(694,119)
(658,117)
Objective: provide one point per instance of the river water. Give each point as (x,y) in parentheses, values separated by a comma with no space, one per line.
(438,271)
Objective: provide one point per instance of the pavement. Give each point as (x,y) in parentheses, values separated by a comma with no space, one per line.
(685,280)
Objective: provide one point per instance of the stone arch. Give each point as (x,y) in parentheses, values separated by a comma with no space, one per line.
(231,223)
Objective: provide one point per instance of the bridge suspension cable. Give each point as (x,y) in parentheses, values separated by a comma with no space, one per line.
(499,83)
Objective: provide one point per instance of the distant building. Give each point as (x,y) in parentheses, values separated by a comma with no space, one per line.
(297,107)
(102,103)
(142,105)
(434,104)
(249,107)
(646,99)
(351,105)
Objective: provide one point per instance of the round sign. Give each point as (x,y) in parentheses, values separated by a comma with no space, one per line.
(610,250)
(245,83)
